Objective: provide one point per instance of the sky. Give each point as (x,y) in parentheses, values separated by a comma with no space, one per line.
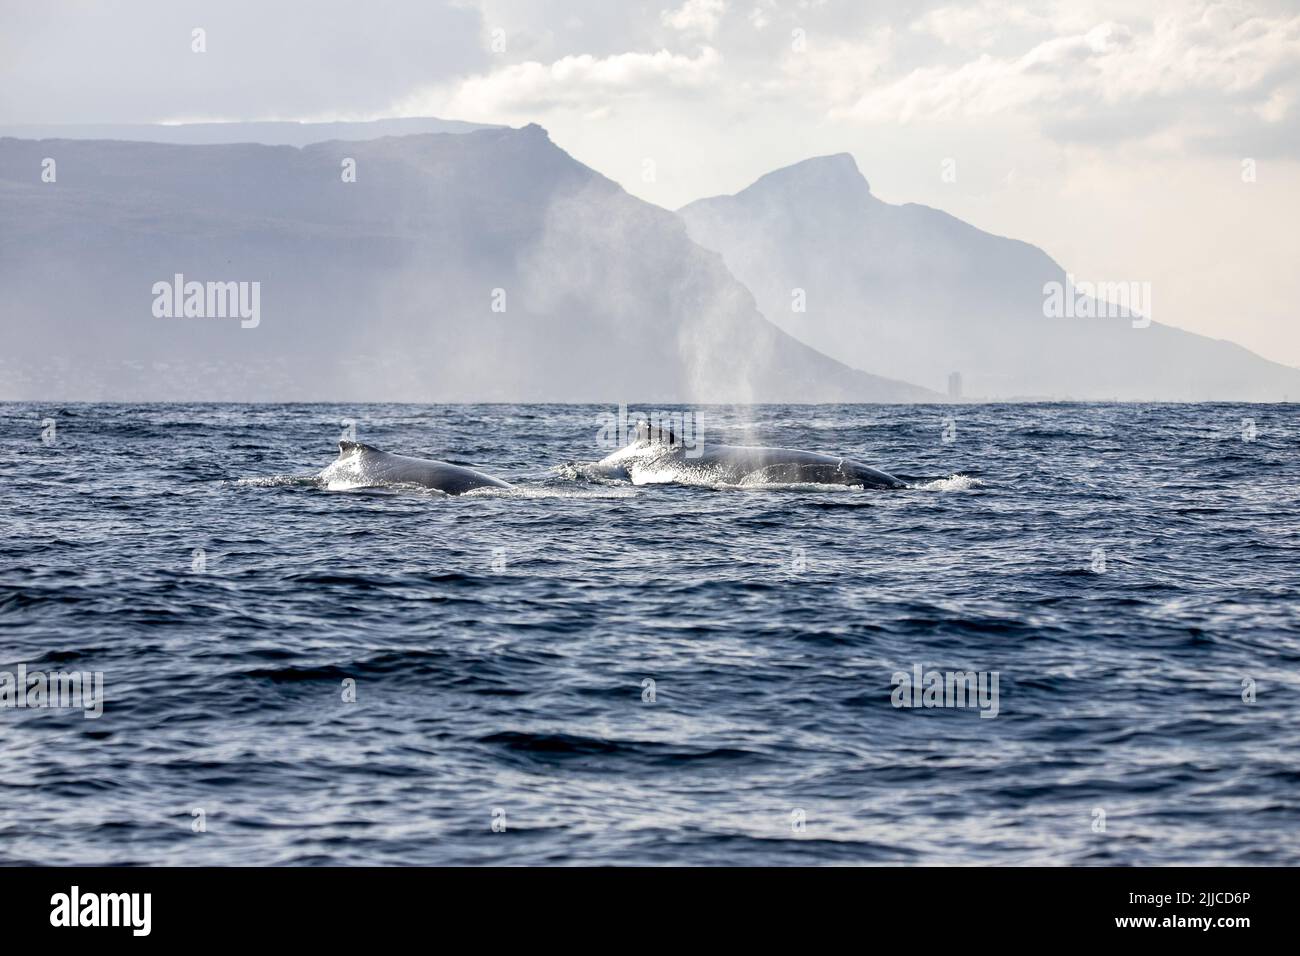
(1152,142)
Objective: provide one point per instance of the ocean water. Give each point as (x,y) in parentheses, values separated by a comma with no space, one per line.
(1131,573)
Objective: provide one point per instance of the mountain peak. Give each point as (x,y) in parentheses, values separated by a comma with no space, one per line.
(839,171)
(912,292)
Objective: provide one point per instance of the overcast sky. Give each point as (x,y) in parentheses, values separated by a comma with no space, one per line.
(1113,134)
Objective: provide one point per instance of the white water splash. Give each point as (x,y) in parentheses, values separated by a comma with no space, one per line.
(951,483)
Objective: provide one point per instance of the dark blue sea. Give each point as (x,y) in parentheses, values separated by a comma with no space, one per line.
(593,672)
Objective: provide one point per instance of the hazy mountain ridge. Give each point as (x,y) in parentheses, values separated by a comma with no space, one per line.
(918,293)
(266,132)
(378,289)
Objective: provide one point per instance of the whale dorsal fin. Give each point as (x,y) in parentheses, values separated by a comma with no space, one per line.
(353,447)
(658,433)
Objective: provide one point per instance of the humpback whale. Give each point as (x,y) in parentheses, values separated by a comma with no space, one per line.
(364,466)
(657,457)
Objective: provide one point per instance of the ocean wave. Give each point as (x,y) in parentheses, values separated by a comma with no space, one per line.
(643,674)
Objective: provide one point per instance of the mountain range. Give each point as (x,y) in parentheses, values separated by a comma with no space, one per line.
(419,260)
(483,265)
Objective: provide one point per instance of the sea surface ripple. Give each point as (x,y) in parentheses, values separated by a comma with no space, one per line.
(1132,572)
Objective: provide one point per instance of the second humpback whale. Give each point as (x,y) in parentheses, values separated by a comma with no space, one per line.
(363,466)
(656,457)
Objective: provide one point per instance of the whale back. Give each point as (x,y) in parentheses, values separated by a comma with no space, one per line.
(656,453)
(362,465)
(749,464)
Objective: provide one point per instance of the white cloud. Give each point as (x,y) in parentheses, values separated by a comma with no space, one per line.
(1278,106)
(835,70)
(978,24)
(1214,52)
(695,16)
(583,82)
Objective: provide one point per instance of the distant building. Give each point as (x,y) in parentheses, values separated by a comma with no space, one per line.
(954,386)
